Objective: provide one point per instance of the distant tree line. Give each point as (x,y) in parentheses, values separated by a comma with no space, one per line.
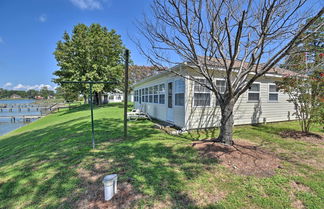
(30,94)
(137,72)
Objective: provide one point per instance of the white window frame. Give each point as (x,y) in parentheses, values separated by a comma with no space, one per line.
(146,93)
(176,91)
(259,92)
(277,92)
(161,93)
(150,94)
(194,91)
(156,93)
(143,95)
(219,79)
(136,95)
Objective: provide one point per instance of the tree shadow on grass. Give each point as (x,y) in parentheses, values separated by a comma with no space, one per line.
(200,134)
(85,107)
(271,129)
(211,133)
(40,168)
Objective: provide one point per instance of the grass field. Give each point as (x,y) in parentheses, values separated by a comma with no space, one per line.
(50,164)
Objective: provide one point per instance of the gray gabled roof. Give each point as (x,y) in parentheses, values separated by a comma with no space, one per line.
(217,63)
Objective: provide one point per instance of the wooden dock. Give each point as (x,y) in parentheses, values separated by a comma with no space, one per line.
(25,118)
(26,108)
(23,106)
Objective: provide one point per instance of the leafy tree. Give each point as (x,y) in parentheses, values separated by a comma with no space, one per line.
(90,53)
(68,95)
(45,92)
(138,73)
(318,80)
(306,93)
(32,93)
(306,90)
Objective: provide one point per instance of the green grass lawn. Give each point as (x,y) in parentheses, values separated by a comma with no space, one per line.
(50,164)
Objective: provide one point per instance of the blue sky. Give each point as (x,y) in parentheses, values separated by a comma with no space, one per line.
(30,29)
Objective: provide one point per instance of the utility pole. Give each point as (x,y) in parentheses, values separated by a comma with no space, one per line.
(126,92)
(92,122)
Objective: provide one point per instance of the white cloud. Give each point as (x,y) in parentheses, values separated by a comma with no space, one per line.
(42,18)
(29,87)
(20,87)
(87,4)
(7,85)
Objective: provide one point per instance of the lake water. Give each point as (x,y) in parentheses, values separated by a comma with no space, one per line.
(16,108)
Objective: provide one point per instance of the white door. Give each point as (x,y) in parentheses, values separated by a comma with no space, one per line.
(170,102)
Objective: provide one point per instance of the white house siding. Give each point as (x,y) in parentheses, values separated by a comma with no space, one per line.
(199,117)
(130,97)
(111,97)
(265,110)
(159,111)
(245,112)
(115,97)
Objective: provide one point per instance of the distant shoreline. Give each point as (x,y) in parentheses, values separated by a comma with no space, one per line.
(16,99)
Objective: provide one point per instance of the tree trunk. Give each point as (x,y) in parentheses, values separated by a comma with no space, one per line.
(85,99)
(96,98)
(227,122)
(100,98)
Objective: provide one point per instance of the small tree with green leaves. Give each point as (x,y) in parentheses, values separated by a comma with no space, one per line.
(306,93)
(318,80)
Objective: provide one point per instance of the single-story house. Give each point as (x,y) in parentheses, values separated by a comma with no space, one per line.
(186,104)
(15,96)
(117,96)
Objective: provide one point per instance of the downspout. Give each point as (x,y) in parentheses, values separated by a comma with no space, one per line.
(186,101)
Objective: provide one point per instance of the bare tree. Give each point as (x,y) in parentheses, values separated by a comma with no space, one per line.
(245,38)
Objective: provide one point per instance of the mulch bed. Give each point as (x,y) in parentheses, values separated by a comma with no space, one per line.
(123,199)
(242,158)
(93,196)
(302,136)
